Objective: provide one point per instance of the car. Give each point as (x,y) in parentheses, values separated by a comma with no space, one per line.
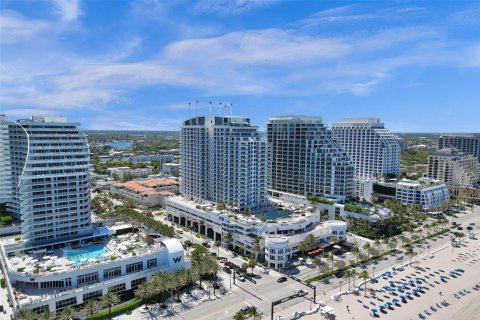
(222,259)
(472,223)
(302,293)
(399,258)
(460,228)
(205,244)
(213,254)
(245,309)
(281,279)
(180,231)
(227,270)
(228,263)
(241,278)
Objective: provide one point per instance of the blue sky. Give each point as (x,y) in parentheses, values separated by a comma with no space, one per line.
(137,65)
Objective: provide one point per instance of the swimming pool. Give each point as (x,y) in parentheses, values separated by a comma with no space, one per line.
(75,255)
(274,214)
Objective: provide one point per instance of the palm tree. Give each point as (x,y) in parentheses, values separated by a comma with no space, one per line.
(252,263)
(331,258)
(310,240)
(303,247)
(367,247)
(217,245)
(393,243)
(356,251)
(178,281)
(253,311)
(377,243)
(320,264)
(354,275)
(256,247)
(188,244)
(67,314)
(47,315)
(411,253)
(364,275)
(24,314)
(348,274)
(228,237)
(145,292)
(91,307)
(239,316)
(109,300)
(386,242)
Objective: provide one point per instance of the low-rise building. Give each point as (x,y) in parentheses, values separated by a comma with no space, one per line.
(425,192)
(274,235)
(149,193)
(362,210)
(127,172)
(171,169)
(55,276)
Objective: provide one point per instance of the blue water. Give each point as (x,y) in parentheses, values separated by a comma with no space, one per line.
(275,214)
(119,144)
(96,251)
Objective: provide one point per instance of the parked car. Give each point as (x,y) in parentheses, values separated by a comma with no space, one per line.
(227,270)
(222,259)
(399,258)
(228,263)
(205,244)
(213,254)
(281,279)
(245,309)
(241,278)
(302,293)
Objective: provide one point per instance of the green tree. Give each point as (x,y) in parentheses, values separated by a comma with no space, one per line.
(356,252)
(364,275)
(217,245)
(253,311)
(47,315)
(90,307)
(67,314)
(109,300)
(367,248)
(145,291)
(252,263)
(24,314)
(239,316)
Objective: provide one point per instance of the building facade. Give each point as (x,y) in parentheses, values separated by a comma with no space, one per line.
(127,172)
(457,169)
(224,159)
(274,241)
(303,159)
(468,143)
(49,178)
(171,169)
(374,150)
(425,192)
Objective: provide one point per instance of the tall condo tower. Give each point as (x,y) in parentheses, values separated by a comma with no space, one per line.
(47,163)
(303,159)
(466,142)
(223,159)
(375,151)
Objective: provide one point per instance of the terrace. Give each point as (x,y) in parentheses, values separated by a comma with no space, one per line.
(69,258)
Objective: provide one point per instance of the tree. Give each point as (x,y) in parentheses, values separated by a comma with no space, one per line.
(310,240)
(217,245)
(252,263)
(67,314)
(367,247)
(109,300)
(239,316)
(257,247)
(24,314)
(331,258)
(253,311)
(364,275)
(228,237)
(303,247)
(188,244)
(393,243)
(348,275)
(411,253)
(377,243)
(356,251)
(47,315)
(91,307)
(144,291)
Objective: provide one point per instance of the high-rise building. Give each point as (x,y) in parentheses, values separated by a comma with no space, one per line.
(425,192)
(468,143)
(5,176)
(223,159)
(374,150)
(48,162)
(303,159)
(457,169)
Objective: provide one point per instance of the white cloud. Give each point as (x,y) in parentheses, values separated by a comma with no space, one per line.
(229,6)
(68,10)
(14,27)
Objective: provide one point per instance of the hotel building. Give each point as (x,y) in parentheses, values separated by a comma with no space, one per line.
(465,142)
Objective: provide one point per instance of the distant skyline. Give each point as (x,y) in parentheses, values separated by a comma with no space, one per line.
(136,65)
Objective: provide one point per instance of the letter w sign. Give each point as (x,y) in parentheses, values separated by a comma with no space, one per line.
(177,259)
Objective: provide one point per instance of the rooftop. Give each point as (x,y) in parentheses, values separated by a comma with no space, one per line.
(84,255)
(148,187)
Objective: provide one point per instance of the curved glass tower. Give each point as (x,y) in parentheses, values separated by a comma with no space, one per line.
(48,160)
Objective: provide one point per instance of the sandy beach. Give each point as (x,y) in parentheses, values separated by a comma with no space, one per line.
(435,290)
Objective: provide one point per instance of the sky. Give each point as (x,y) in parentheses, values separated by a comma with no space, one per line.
(143,65)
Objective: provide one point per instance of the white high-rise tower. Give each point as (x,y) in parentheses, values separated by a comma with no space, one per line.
(223,159)
(46,162)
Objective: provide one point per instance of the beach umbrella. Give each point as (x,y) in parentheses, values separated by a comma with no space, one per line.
(395,300)
(408,293)
(382,308)
(402,297)
(374,310)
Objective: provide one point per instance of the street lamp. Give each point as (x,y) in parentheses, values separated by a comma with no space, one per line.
(373,273)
